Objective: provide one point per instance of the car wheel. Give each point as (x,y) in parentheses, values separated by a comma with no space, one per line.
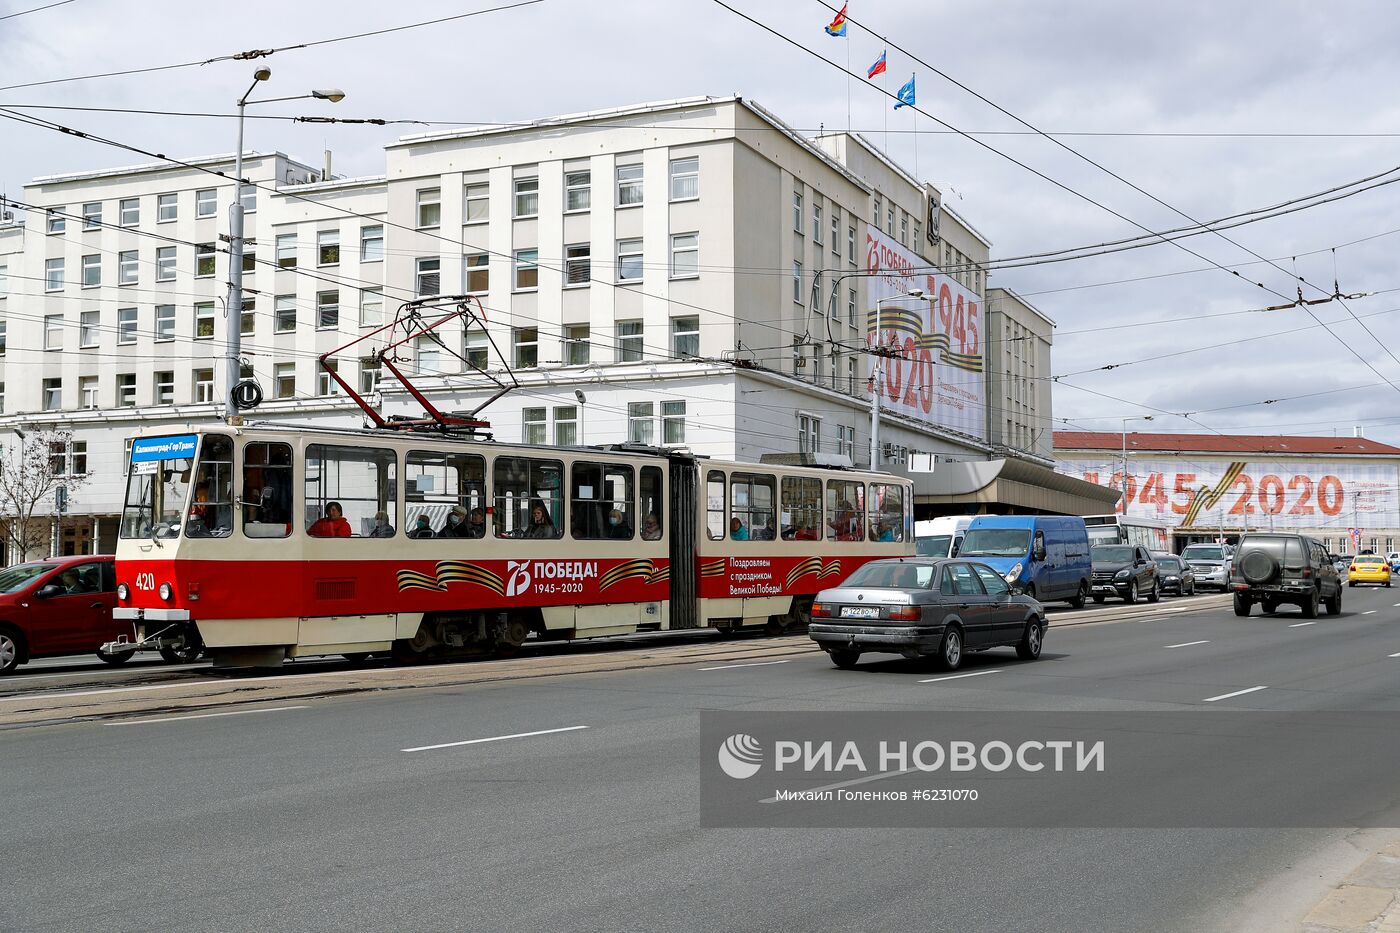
(1080,595)
(1192,591)
(1310,606)
(1098,600)
(1155,593)
(1351,583)
(844,658)
(1242,605)
(1131,598)
(950,650)
(11,647)
(116,658)
(1334,603)
(1028,649)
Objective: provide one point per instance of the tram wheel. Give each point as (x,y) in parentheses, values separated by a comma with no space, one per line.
(775,626)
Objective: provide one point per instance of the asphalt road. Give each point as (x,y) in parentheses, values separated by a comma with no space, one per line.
(582,811)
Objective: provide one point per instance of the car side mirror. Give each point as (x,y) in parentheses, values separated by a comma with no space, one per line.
(49,590)
(1038,551)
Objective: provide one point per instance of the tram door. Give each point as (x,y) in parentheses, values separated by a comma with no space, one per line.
(684,587)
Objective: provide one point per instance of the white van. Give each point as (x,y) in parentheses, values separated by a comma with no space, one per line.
(940,537)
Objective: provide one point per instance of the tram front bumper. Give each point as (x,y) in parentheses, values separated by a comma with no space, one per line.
(153,615)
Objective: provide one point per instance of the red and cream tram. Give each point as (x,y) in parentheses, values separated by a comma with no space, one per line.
(268,543)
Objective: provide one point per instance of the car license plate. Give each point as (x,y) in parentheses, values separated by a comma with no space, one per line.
(1103,589)
(860,612)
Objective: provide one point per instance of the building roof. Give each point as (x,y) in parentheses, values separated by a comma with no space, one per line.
(1222,443)
(205,161)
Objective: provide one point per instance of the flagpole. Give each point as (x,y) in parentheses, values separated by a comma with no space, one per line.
(884,76)
(848,84)
(914,112)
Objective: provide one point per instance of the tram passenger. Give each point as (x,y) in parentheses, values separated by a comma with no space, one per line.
(846,524)
(421,528)
(737,531)
(651,528)
(456,524)
(886,527)
(541,525)
(382,528)
(476,524)
(617,525)
(805,532)
(332,524)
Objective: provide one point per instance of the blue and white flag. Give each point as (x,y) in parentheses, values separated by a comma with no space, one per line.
(906,95)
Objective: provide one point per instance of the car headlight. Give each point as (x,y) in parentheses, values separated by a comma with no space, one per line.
(1012,575)
(1123,574)
(1171,578)
(166,592)
(123,591)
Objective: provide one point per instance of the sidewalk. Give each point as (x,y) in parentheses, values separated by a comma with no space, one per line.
(1367,901)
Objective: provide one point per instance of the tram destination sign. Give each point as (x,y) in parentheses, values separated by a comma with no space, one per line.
(175,447)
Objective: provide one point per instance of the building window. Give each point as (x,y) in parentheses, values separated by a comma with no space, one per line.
(203,260)
(371,307)
(527,347)
(369,375)
(429,353)
(126,390)
(284,312)
(328,247)
(797,282)
(248,197)
(478,273)
(205,203)
(325,385)
(429,276)
(527,271)
(165,323)
(846,441)
(903,229)
(247,318)
(92,271)
(641,424)
(429,208)
(851,245)
(476,348)
(478,207)
(576,345)
(53,394)
(629,260)
(126,326)
(534,424)
(889,226)
(287,251)
(166,208)
(685,179)
(685,337)
(578,264)
(851,307)
(57,223)
(817,293)
(629,185)
(673,422)
(835,232)
(92,216)
(284,380)
(165,264)
(629,341)
(816,363)
(88,324)
(527,197)
(165,388)
(372,243)
(4,327)
(53,332)
(87,393)
(4,281)
(202,389)
(809,434)
(578,191)
(128,267)
(817,225)
(129,212)
(797,212)
(53,275)
(565,425)
(685,255)
(328,310)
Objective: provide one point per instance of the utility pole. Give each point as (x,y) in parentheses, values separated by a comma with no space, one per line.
(877,381)
(1123,492)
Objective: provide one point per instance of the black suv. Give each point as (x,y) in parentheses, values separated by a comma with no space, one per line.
(1271,569)
(1125,571)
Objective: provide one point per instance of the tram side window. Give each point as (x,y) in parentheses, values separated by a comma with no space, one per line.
(714,506)
(267,490)
(600,502)
(650,504)
(751,503)
(886,512)
(347,488)
(845,503)
(211,507)
(802,508)
(444,495)
(529,498)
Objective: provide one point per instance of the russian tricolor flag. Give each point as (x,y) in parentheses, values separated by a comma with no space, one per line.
(879,67)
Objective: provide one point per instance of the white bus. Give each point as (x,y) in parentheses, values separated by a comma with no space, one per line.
(1155,534)
(940,537)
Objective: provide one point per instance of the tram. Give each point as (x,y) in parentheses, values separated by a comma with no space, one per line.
(266,542)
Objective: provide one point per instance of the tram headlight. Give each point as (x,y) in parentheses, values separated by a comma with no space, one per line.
(166,592)
(123,591)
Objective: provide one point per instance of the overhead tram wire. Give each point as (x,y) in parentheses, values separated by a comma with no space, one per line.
(37,9)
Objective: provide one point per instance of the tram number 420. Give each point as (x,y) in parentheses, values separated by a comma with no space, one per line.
(145,581)
(1268,495)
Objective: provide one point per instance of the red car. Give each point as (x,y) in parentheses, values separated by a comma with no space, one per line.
(62,605)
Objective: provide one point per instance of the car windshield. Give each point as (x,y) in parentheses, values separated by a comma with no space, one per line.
(17,577)
(892,576)
(996,542)
(1368,560)
(1112,553)
(1203,552)
(936,546)
(1166,563)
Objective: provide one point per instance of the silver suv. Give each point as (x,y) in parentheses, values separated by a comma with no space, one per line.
(1210,563)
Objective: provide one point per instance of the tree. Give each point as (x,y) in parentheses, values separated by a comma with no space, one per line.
(31,471)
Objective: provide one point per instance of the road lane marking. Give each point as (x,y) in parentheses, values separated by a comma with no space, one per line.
(1188,644)
(1301,624)
(730,667)
(1369,612)
(1237,693)
(934,680)
(237,712)
(494,738)
(40,695)
(1165,611)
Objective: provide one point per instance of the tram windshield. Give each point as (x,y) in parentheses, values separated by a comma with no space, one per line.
(158,482)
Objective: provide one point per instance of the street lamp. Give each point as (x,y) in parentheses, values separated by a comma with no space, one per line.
(233,331)
(879,380)
(1124,474)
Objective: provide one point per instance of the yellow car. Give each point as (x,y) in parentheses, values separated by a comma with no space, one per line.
(1368,568)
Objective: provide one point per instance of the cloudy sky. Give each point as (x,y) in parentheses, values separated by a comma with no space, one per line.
(1212,108)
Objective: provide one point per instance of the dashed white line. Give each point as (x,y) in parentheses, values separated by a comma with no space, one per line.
(236,712)
(1301,624)
(494,738)
(1237,693)
(934,680)
(1396,655)
(1188,644)
(1369,612)
(730,667)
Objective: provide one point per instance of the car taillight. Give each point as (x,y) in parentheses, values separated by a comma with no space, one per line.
(1307,573)
(906,613)
(821,611)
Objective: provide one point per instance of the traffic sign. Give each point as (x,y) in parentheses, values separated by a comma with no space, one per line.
(246,394)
